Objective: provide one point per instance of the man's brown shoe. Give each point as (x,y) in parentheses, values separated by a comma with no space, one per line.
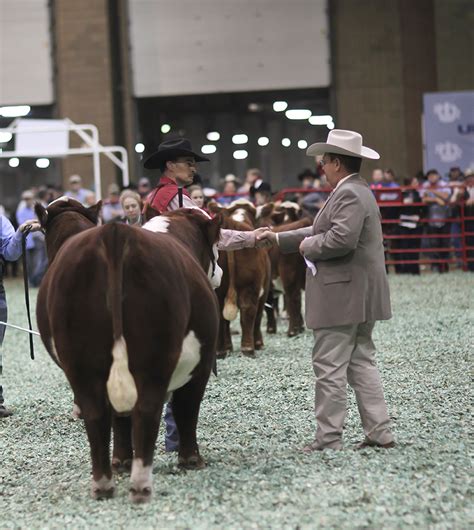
(369,443)
(310,448)
(4,412)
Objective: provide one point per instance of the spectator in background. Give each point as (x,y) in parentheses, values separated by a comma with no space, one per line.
(76,191)
(314,201)
(90,199)
(197,195)
(229,189)
(251,177)
(112,209)
(435,194)
(307,179)
(456,181)
(261,193)
(144,187)
(36,259)
(377,178)
(469,212)
(409,225)
(131,204)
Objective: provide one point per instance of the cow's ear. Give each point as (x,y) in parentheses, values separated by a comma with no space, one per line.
(41,214)
(267,209)
(149,212)
(94,212)
(214,207)
(214,227)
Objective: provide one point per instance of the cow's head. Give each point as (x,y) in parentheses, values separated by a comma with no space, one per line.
(64,218)
(243,211)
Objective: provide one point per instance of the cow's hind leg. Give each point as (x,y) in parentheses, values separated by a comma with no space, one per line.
(123,453)
(145,422)
(186,404)
(97,419)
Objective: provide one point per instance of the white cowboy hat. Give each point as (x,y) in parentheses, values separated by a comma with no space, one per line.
(341,142)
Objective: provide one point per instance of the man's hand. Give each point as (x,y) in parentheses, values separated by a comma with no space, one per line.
(264,238)
(32,225)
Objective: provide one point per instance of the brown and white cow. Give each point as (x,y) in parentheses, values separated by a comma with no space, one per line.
(289,268)
(245,283)
(130,316)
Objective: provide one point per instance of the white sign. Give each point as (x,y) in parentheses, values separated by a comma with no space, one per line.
(32,138)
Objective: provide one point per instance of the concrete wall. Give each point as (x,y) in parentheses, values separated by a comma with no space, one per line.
(386,54)
(84,77)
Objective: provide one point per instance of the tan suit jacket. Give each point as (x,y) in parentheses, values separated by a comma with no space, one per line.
(346,244)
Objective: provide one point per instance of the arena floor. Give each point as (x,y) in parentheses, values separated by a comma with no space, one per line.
(255,417)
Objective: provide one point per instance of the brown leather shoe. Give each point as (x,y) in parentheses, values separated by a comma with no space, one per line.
(369,443)
(311,447)
(4,412)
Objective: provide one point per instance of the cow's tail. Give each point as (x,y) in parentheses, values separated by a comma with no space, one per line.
(230,303)
(121,386)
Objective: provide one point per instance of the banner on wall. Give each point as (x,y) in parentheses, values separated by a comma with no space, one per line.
(448,129)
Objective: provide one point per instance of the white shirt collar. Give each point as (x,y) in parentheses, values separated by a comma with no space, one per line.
(344,179)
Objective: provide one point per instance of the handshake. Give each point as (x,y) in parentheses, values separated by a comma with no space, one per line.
(264,237)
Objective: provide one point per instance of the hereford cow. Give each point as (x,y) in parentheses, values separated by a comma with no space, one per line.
(245,283)
(130,316)
(290,269)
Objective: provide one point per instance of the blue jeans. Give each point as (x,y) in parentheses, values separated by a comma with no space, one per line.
(171,434)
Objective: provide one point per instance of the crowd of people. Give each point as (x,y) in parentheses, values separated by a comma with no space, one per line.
(420,214)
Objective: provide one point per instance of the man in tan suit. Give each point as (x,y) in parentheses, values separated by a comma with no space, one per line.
(346,292)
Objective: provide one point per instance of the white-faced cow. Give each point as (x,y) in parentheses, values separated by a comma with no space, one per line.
(130,316)
(289,268)
(245,283)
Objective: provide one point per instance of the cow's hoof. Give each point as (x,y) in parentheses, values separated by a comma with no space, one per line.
(104,489)
(249,353)
(222,354)
(259,344)
(191,462)
(121,466)
(271,331)
(140,495)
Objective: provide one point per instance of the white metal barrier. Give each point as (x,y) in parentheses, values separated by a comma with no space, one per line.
(88,133)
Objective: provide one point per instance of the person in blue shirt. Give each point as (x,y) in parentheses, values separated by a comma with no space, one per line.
(10,250)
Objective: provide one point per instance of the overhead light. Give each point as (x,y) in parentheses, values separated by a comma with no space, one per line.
(14,162)
(254,107)
(5,137)
(320,120)
(240,139)
(263,140)
(165,128)
(139,148)
(279,106)
(15,111)
(302,144)
(208,149)
(42,163)
(298,114)
(213,136)
(286,142)
(240,155)
(330,125)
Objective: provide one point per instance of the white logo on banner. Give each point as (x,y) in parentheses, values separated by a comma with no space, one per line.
(448,152)
(447,112)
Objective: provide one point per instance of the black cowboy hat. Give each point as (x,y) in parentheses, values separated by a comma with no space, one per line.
(170,150)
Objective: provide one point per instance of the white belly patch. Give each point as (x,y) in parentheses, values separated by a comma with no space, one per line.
(188,360)
(157,224)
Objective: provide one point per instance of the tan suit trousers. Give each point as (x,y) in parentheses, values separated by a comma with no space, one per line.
(341,355)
